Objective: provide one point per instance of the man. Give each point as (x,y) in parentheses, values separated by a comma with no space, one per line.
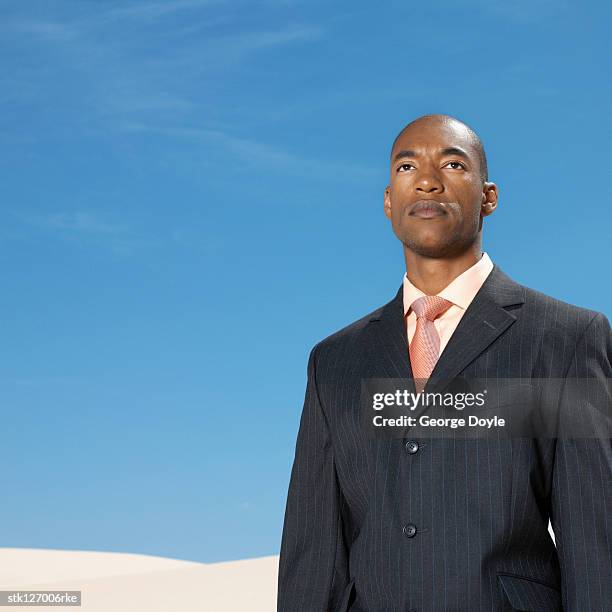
(448,524)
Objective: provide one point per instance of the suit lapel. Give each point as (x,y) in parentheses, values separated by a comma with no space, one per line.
(387,343)
(485,319)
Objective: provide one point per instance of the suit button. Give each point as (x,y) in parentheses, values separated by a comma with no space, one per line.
(411,447)
(410,530)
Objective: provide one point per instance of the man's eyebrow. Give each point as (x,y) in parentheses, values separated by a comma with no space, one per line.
(446,151)
(455,151)
(404,153)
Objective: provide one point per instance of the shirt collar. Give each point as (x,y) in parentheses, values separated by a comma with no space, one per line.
(461,291)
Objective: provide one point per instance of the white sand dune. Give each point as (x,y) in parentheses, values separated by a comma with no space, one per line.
(120,582)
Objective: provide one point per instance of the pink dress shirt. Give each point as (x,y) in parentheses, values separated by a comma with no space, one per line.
(460,292)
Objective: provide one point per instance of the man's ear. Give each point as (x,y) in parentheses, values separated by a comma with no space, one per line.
(490,196)
(387,200)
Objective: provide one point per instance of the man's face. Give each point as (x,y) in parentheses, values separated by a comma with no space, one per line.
(437,198)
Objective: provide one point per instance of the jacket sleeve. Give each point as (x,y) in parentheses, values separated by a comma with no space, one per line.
(313,559)
(581,496)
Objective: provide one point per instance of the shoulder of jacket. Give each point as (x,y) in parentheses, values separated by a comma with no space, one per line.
(347,334)
(563,311)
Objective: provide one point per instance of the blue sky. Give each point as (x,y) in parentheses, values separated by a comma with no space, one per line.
(192,198)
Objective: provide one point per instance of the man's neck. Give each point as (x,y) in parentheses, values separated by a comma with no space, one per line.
(431,275)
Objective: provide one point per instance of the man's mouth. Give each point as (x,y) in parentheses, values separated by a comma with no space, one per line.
(427,209)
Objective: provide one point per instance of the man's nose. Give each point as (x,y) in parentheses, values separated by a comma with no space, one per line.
(429,184)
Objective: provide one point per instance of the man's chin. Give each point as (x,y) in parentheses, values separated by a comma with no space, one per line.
(438,249)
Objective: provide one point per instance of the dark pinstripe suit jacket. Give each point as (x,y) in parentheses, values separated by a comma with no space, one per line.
(480,506)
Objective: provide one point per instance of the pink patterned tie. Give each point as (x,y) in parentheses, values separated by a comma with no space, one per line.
(425,345)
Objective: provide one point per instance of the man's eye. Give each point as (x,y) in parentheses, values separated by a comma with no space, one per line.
(456,165)
(404,167)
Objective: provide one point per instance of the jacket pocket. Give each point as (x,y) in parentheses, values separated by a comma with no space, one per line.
(347,597)
(528,594)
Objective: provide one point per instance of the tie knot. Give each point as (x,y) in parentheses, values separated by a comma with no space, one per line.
(430,306)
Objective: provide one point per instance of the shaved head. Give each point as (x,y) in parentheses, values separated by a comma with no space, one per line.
(438,193)
(448,119)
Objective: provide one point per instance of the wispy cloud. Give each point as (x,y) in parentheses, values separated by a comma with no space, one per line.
(526,10)
(153,10)
(273,38)
(100,16)
(167,67)
(258,153)
(51,31)
(124,87)
(81,222)
(35,383)
(85,227)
